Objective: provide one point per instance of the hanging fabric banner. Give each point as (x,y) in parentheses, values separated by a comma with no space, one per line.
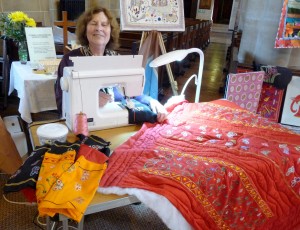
(288,34)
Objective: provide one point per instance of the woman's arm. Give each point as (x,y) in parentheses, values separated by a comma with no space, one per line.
(155,105)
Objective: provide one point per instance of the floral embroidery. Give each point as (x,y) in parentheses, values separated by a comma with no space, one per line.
(218,135)
(169,132)
(290,170)
(285,148)
(200,138)
(228,144)
(77,187)
(79,200)
(246,141)
(295,181)
(185,134)
(58,185)
(34,170)
(266,152)
(203,128)
(246,148)
(231,134)
(85,175)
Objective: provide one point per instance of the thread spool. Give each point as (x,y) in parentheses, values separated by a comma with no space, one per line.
(80,124)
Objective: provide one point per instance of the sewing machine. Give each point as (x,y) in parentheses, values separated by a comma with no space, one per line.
(82,82)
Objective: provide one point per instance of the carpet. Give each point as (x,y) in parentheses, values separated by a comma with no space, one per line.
(130,217)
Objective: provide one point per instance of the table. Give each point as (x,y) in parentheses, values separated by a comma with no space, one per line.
(100,202)
(36,91)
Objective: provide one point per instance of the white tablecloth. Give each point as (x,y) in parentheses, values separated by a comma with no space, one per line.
(36,91)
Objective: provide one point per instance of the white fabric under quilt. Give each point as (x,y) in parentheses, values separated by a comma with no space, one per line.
(159,204)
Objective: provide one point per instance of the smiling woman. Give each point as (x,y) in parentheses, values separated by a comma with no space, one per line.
(97,31)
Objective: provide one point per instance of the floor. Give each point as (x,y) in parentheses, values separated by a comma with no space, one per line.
(214,62)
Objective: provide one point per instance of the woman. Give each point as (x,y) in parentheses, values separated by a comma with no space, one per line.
(97,31)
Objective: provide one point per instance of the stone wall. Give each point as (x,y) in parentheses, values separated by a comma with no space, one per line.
(40,10)
(46,11)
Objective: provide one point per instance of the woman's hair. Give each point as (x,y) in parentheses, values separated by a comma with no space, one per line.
(87,16)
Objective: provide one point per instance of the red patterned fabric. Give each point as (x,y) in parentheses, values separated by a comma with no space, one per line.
(270,102)
(222,167)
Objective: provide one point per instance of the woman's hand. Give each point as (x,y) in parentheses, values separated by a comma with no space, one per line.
(159,109)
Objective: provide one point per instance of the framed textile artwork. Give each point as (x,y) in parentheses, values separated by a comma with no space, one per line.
(291,107)
(244,89)
(270,102)
(205,4)
(147,15)
(288,34)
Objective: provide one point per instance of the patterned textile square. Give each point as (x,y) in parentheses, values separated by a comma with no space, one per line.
(244,89)
(270,102)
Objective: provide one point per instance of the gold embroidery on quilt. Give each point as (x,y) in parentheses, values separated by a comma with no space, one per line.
(153,167)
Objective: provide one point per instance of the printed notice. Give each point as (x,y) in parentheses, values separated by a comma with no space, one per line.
(40,43)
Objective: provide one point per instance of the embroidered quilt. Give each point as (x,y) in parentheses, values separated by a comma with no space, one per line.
(220,166)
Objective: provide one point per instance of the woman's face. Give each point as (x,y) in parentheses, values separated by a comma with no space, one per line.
(98,30)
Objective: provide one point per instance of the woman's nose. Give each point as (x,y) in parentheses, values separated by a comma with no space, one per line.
(99,27)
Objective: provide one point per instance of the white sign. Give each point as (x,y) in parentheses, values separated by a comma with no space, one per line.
(40,43)
(291,107)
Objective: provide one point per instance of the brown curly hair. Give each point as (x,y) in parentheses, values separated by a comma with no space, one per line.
(87,16)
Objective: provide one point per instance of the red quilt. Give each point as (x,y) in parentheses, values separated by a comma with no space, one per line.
(222,167)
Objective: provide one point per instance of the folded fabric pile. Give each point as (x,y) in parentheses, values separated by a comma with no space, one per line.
(278,76)
(62,178)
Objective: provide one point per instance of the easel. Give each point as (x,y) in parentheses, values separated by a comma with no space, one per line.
(173,83)
(65,24)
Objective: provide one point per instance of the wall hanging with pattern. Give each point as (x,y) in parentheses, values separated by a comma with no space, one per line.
(244,89)
(147,15)
(288,34)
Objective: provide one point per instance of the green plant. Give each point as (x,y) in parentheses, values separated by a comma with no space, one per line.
(13,25)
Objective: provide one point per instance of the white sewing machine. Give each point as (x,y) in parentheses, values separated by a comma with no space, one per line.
(82,82)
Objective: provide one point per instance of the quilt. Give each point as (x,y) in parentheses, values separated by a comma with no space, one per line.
(212,165)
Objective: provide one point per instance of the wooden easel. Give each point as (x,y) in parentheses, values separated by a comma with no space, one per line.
(173,83)
(65,24)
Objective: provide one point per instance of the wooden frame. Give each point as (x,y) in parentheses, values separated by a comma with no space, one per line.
(205,4)
(147,15)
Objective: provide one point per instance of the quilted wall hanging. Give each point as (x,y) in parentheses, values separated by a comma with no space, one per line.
(270,102)
(244,89)
(148,15)
(288,34)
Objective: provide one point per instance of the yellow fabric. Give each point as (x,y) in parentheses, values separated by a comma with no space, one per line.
(65,187)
